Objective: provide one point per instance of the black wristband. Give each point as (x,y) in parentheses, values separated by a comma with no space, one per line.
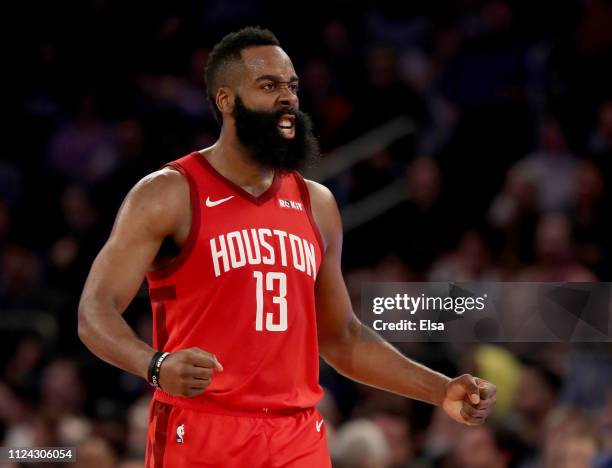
(155,366)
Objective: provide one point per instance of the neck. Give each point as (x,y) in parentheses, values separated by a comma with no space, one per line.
(234,162)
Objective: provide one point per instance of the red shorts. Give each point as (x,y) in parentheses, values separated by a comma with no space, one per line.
(181,438)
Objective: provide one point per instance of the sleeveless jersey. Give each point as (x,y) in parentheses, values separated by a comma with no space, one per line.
(242,288)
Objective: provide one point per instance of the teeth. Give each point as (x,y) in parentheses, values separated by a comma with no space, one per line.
(286,122)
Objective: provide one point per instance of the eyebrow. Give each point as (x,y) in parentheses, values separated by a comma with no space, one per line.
(276,78)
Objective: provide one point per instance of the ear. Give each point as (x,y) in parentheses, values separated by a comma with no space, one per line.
(225,100)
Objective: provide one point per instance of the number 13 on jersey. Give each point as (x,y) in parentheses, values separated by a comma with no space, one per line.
(280,299)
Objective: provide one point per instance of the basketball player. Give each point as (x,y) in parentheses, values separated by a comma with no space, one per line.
(256,293)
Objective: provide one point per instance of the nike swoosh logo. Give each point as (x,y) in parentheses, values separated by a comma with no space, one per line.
(319,424)
(210,203)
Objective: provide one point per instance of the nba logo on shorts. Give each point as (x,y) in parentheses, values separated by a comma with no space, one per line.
(180,433)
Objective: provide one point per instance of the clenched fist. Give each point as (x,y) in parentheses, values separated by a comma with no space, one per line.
(469,400)
(188,372)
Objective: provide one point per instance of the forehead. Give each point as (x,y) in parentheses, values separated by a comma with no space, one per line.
(267,60)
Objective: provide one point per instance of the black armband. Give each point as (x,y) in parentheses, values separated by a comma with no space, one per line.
(155,366)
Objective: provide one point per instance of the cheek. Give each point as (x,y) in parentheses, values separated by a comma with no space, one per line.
(259,101)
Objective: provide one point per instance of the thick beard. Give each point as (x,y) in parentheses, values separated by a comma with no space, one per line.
(258,131)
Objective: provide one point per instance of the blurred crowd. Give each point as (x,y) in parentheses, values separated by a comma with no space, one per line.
(507,178)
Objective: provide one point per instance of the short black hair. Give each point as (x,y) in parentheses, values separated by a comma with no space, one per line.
(227,51)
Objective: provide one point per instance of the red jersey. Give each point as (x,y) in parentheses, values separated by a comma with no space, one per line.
(242,288)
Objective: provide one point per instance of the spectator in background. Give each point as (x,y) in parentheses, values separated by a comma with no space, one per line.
(535,396)
(513,213)
(62,391)
(410,224)
(360,444)
(480,447)
(110,423)
(419,71)
(487,69)
(131,463)
(554,249)
(328,408)
(418,229)
(70,255)
(440,438)
(388,96)
(570,440)
(604,458)
(392,416)
(588,374)
(551,168)
(327,106)
(590,219)
(11,183)
(430,227)
(182,94)
(600,144)
(85,149)
(341,48)
(21,278)
(5,223)
(472,260)
(137,427)
(15,417)
(399,437)
(95,451)
(22,369)
(74,430)
(600,203)
(132,141)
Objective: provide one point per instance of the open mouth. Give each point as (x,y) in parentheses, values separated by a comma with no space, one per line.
(286,125)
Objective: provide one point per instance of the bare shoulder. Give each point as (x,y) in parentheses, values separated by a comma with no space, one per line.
(167,181)
(324,211)
(320,195)
(161,196)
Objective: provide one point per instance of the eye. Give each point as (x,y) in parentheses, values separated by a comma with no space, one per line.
(294,88)
(268,86)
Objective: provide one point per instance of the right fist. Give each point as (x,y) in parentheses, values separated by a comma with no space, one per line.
(188,372)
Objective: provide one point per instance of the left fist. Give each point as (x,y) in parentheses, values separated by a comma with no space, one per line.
(469,400)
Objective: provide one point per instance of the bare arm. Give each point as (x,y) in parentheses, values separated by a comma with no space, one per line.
(359,353)
(144,220)
(158,206)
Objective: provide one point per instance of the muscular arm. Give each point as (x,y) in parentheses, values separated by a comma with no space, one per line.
(359,353)
(151,211)
(350,347)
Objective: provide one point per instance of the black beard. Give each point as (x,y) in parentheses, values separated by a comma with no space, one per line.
(258,131)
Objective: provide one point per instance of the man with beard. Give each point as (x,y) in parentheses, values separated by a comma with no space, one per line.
(256,293)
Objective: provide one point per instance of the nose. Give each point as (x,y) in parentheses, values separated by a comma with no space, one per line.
(288,98)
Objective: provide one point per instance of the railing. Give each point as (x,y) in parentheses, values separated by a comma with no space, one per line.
(42,322)
(350,154)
